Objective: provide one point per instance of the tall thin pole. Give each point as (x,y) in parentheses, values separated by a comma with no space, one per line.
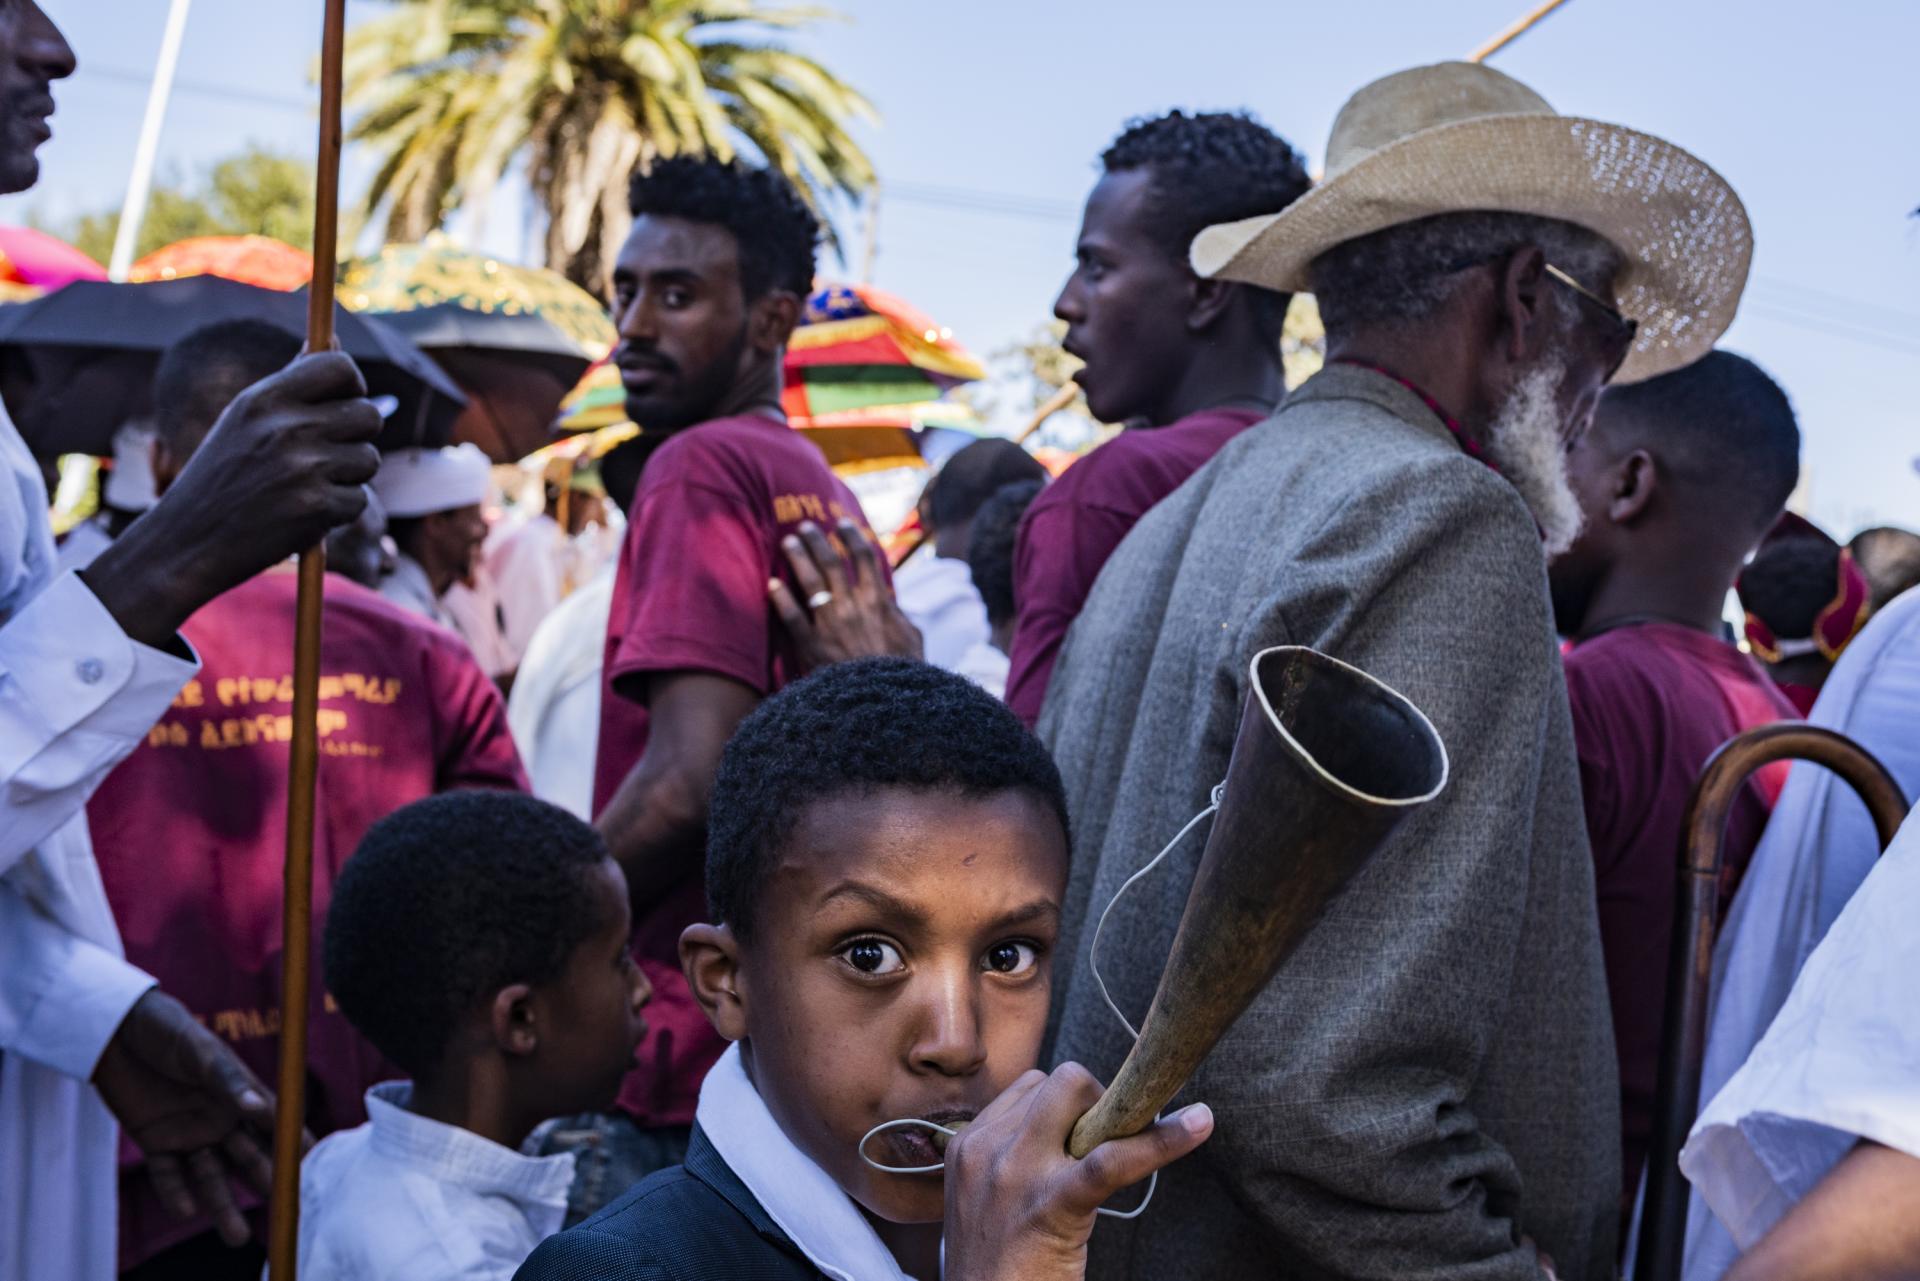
(1513,32)
(133,212)
(283,1227)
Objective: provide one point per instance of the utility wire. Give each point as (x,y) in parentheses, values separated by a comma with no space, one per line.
(201,89)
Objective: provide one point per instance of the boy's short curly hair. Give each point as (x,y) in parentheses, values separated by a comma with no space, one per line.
(854,727)
(447,901)
(777,235)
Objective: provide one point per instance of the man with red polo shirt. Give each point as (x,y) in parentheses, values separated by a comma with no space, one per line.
(1678,479)
(1189,363)
(707,289)
(189,830)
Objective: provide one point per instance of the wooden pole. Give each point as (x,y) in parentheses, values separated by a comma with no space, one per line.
(1513,32)
(1696,908)
(283,1227)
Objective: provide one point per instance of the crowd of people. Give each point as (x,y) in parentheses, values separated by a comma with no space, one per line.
(719,905)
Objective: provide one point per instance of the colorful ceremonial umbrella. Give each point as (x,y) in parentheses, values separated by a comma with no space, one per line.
(251,260)
(77,363)
(858,348)
(37,260)
(597,400)
(435,271)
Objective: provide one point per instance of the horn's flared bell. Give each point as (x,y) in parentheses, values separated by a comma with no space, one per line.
(1327,763)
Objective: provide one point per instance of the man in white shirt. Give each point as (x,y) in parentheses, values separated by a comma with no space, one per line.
(1810,1156)
(88,662)
(1819,846)
(554,707)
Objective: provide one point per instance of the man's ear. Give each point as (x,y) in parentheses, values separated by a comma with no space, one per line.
(771,319)
(1211,298)
(511,1019)
(710,958)
(1634,479)
(1523,306)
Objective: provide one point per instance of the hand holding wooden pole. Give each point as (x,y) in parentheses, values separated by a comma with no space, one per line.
(283,1227)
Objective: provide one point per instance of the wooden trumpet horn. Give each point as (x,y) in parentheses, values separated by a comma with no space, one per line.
(1327,764)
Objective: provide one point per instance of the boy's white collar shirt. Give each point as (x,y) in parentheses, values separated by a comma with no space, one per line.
(405,1198)
(802,1198)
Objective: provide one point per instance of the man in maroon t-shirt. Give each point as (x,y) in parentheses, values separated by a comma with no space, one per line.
(1678,479)
(190,829)
(1191,362)
(707,288)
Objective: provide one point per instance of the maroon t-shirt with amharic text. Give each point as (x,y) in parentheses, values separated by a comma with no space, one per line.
(691,595)
(1651,702)
(1076,522)
(190,830)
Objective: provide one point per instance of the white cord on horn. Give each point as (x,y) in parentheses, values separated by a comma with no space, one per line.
(1093,965)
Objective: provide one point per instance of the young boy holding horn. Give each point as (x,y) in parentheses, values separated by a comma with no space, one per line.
(885,863)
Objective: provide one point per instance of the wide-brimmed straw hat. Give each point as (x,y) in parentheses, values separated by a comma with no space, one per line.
(1459,137)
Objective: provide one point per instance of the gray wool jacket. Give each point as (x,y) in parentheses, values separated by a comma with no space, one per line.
(1431,1077)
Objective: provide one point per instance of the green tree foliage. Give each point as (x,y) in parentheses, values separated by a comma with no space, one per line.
(449,94)
(257,192)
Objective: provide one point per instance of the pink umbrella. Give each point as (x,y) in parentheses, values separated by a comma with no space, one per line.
(29,257)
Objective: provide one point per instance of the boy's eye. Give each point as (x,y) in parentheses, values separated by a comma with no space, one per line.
(1011,958)
(871,956)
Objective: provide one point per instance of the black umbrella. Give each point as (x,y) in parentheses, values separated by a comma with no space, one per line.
(516,368)
(77,363)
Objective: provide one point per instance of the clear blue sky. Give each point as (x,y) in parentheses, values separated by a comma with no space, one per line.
(995,111)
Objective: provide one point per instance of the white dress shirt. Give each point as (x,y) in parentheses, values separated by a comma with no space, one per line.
(937,595)
(1818,847)
(554,709)
(797,1194)
(76,695)
(1841,1062)
(405,1198)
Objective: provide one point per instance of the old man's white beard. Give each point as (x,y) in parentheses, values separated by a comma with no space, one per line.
(1525,441)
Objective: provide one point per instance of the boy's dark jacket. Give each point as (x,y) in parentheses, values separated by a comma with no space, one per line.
(692,1222)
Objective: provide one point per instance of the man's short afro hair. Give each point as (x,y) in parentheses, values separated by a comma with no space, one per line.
(777,234)
(1211,167)
(850,728)
(447,901)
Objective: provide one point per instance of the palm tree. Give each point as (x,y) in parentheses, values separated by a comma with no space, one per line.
(449,93)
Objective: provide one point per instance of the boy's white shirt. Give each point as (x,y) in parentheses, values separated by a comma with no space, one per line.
(406,1198)
(797,1194)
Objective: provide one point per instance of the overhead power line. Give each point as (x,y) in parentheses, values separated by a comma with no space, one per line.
(202,89)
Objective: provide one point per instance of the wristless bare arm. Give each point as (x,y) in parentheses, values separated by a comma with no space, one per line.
(1861,1223)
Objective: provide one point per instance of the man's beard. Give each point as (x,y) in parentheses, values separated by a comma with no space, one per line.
(1526,441)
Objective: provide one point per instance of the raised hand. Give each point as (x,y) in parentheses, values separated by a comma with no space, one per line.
(848,614)
(284,464)
(1018,1207)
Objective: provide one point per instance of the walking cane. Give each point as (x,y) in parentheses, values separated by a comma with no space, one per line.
(283,1222)
(1683,1041)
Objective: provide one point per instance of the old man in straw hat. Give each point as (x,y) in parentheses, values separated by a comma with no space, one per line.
(1427,1088)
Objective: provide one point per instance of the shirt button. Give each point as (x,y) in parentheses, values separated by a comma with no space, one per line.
(90,671)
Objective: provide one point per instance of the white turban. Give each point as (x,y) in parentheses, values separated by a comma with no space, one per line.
(130,485)
(419,482)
